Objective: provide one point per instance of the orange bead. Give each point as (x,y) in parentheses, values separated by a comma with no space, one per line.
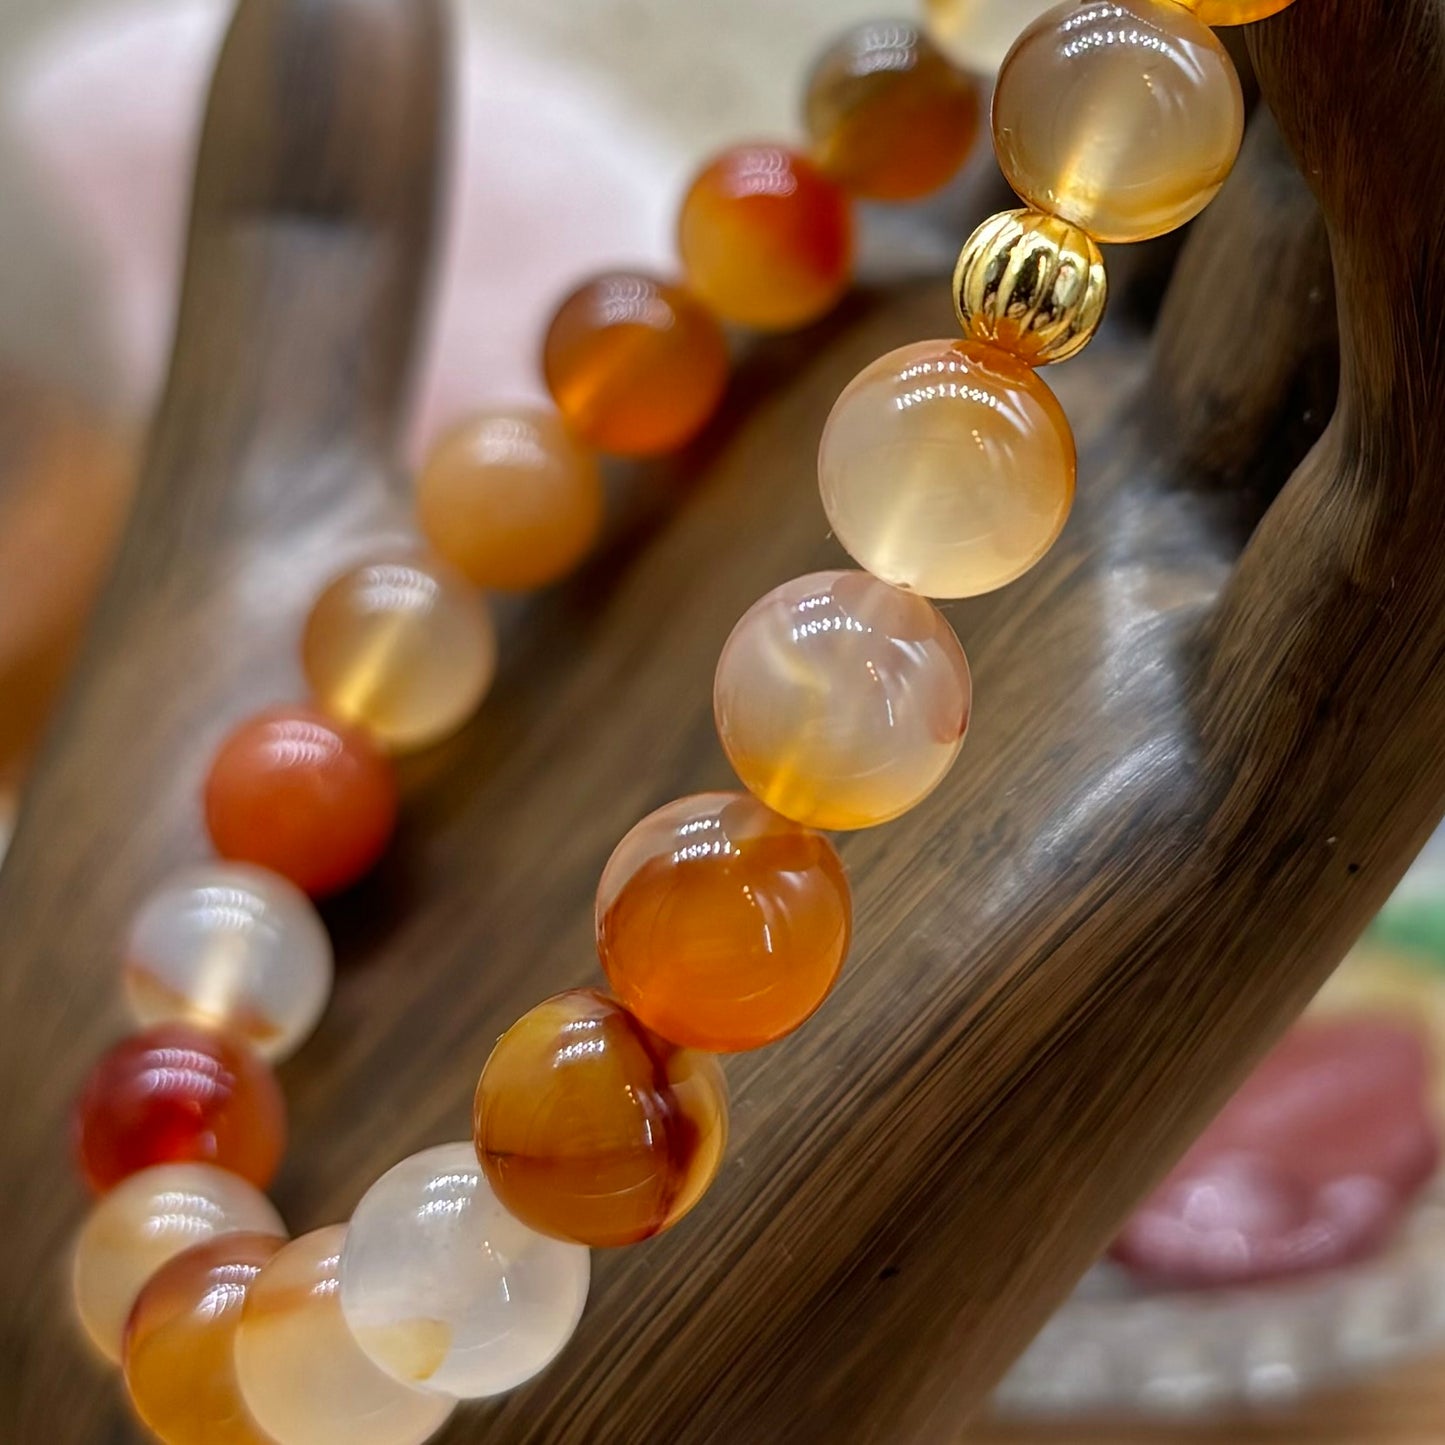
(179,1343)
(179,1094)
(636,366)
(510,499)
(721,925)
(308,798)
(889,118)
(766,238)
(592,1128)
(1235,12)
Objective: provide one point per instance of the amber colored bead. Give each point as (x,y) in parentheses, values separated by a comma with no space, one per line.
(591,1128)
(1032,285)
(635,365)
(1123,117)
(1235,12)
(511,499)
(721,925)
(305,796)
(888,117)
(175,1094)
(180,1339)
(766,238)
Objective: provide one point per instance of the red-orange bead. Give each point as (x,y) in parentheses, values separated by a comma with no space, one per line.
(592,1128)
(766,238)
(635,365)
(179,1094)
(308,798)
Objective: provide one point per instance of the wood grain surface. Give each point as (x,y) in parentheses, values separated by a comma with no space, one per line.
(1193,774)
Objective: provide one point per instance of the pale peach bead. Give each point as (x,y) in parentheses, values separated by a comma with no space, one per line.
(947,468)
(510,499)
(401,647)
(303,1377)
(1121,116)
(841,701)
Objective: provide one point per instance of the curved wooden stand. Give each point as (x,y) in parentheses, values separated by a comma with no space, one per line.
(1194,774)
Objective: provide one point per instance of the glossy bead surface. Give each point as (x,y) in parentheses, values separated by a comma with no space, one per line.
(402,647)
(1235,12)
(303,1377)
(976,34)
(635,365)
(309,798)
(442,1288)
(592,1128)
(511,499)
(842,702)
(721,925)
(766,238)
(179,1342)
(146,1220)
(1121,116)
(1031,285)
(947,468)
(175,1094)
(230,946)
(888,117)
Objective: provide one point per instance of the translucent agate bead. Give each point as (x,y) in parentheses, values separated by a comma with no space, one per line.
(635,365)
(146,1220)
(841,701)
(510,499)
(888,117)
(1121,116)
(766,238)
(179,1343)
(175,1094)
(231,946)
(303,1377)
(947,468)
(721,925)
(1031,285)
(307,797)
(592,1128)
(977,34)
(403,647)
(1235,12)
(443,1288)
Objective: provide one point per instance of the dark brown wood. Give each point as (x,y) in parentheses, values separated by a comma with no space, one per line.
(1193,776)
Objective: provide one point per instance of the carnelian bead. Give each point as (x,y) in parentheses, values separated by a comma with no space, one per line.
(591,1128)
(1235,12)
(721,925)
(302,795)
(766,238)
(635,365)
(179,1354)
(177,1094)
(888,117)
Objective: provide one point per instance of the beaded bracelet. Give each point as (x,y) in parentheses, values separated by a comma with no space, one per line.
(842,699)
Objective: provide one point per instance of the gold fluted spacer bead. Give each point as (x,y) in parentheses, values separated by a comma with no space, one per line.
(1032,285)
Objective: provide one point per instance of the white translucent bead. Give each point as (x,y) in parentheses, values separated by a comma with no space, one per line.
(234,946)
(443,1288)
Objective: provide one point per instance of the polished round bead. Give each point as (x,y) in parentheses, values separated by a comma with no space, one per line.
(146,1220)
(592,1128)
(443,1288)
(1121,116)
(841,701)
(766,238)
(721,925)
(947,468)
(403,647)
(303,1377)
(178,1093)
(1235,12)
(888,117)
(180,1338)
(231,946)
(511,499)
(635,365)
(307,797)
(976,34)
(1031,285)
